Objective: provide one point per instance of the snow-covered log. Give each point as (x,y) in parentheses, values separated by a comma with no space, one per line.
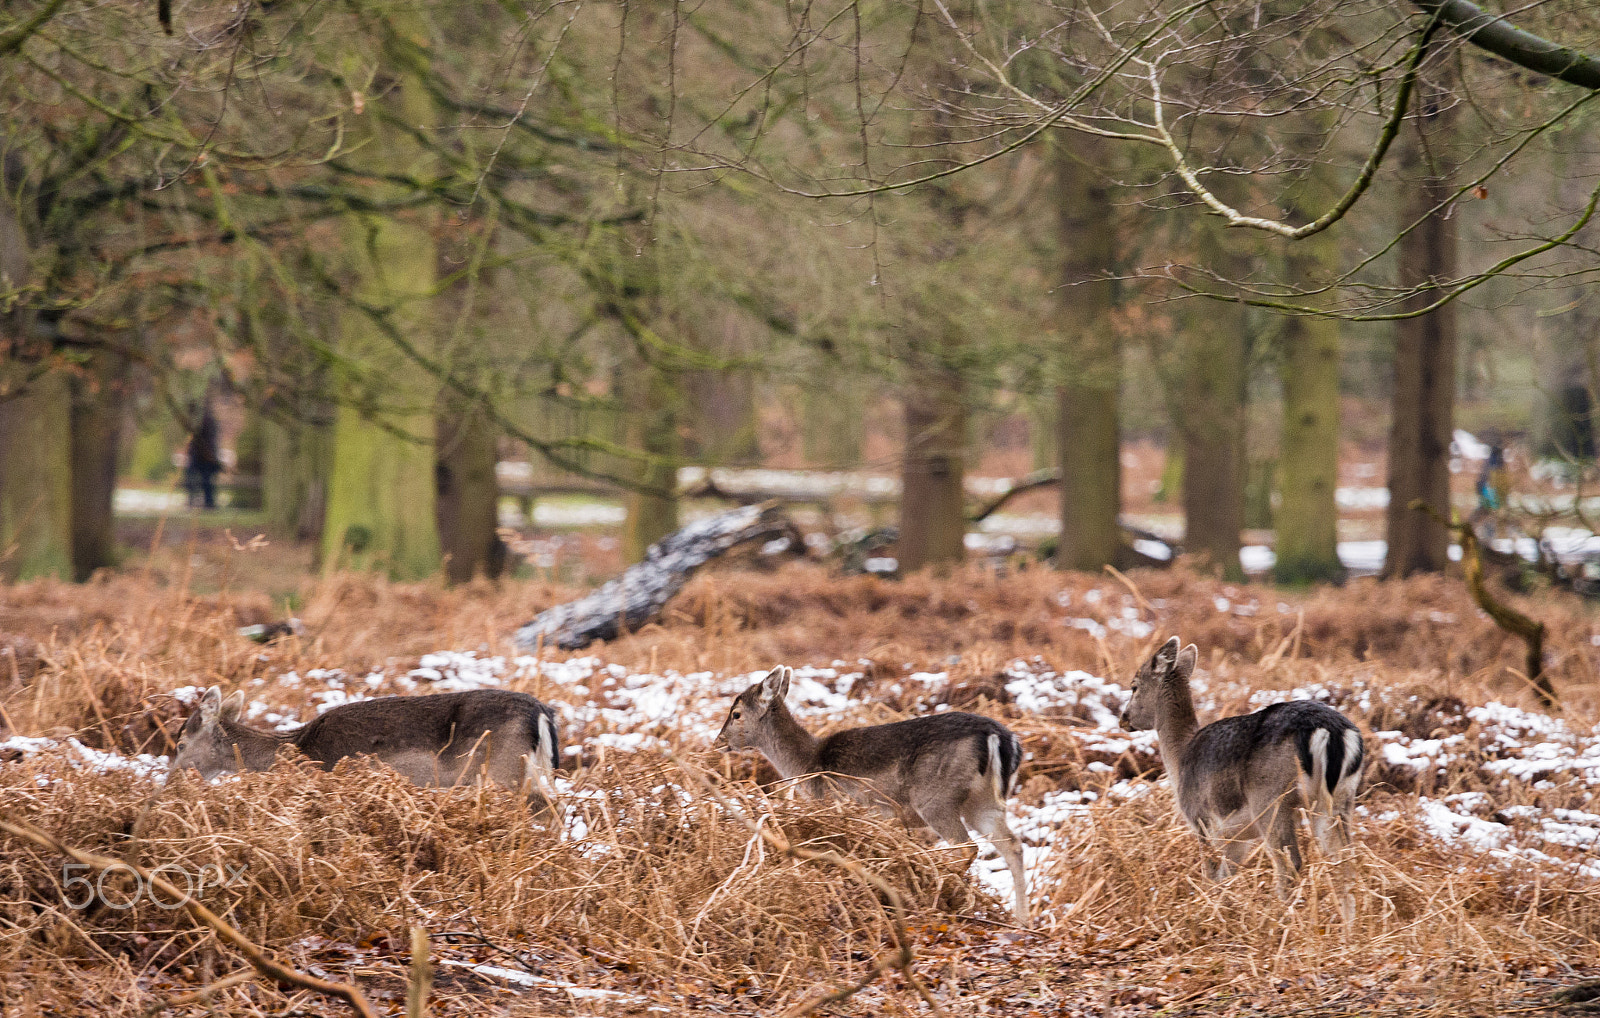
(639,594)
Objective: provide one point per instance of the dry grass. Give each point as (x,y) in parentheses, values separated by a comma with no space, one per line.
(671,903)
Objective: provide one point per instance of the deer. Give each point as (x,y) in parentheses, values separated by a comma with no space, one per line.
(950,772)
(441,739)
(1242,780)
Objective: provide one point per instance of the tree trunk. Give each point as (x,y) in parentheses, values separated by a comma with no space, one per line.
(1212,402)
(381,481)
(721,404)
(654,431)
(98,417)
(295,465)
(468,494)
(381,491)
(1087,444)
(831,426)
(36,481)
(1307,520)
(35,430)
(380,497)
(933,522)
(1422,417)
(1044,416)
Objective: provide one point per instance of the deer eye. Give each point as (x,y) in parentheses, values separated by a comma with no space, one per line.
(735,715)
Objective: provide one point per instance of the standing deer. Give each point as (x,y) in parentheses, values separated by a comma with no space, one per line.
(1242,779)
(443,739)
(952,772)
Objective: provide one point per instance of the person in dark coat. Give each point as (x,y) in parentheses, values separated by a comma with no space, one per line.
(205,459)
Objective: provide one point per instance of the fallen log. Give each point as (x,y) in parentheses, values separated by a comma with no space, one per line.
(639,594)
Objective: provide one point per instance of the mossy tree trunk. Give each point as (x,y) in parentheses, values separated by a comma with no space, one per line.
(831,424)
(35,429)
(380,511)
(295,419)
(296,460)
(653,430)
(1422,417)
(1307,519)
(36,478)
(647,387)
(1043,414)
(1087,446)
(933,523)
(381,492)
(722,425)
(933,520)
(1212,397)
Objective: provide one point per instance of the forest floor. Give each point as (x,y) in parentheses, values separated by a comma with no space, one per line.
(1478,834)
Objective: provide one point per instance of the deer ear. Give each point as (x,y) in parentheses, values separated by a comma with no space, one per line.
(1186,662)
(773,688)
(788,677)
(210,704)
(1164,658)
(233,705)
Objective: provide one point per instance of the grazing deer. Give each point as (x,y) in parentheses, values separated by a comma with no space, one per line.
(952,772)
(1242,779)
(443,739)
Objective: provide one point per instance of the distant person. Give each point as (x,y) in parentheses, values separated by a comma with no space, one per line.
(1494,488)
(1494,481)
(205,459)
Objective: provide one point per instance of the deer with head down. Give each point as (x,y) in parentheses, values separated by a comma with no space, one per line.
(951,772)
(1242,780)
(443,739)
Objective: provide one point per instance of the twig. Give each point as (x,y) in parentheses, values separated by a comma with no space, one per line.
(204,993)
(996,922)
(903,955)
(1123,578)
(1034,481)
(253,954)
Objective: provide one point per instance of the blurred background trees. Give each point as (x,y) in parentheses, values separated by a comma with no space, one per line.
(402,247)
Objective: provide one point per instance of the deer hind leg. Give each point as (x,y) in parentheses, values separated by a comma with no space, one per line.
(1332,832)
(1231,853)
(1220,853)
(1283,844)
(989,819)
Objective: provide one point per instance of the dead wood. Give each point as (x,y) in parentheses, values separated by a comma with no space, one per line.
(639,594)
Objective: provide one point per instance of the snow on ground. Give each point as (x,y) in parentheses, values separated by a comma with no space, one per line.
(606,704)
(145,502)
(77,755)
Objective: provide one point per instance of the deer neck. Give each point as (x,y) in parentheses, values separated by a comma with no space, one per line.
(1175,724)
(790,748)
(258,749)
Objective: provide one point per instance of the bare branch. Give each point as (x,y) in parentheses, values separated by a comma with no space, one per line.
(12,41)
(1500,37)
(1391,128)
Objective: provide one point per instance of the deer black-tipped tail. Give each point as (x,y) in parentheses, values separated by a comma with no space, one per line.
(1331,754)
